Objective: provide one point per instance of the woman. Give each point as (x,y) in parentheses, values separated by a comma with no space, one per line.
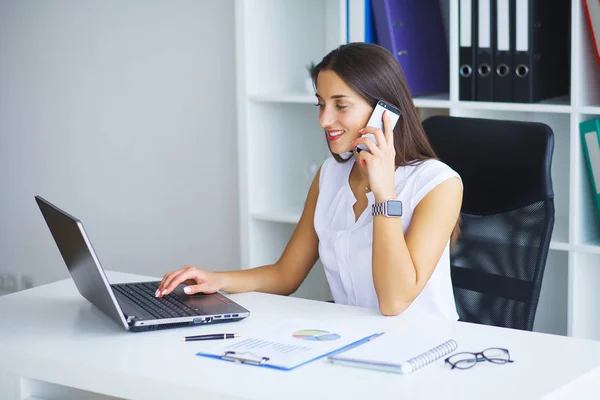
(392,263)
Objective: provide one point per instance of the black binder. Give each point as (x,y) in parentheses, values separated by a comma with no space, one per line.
(485,55)
(503,50)
(467,46)
(542,50)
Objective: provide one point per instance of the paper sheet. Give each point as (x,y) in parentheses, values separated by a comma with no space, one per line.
(291,342)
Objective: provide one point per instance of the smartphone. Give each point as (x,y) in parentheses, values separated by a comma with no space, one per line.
(376,121)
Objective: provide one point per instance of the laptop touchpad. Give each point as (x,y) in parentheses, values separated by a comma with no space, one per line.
(207,303)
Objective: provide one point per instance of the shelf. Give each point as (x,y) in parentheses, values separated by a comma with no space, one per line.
(289,97)
(433,101)
(560,235)
(291,215)
(586,248)
(558,105)
(590,110)
(555,105)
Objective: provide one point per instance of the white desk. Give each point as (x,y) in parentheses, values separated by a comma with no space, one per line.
(51,336)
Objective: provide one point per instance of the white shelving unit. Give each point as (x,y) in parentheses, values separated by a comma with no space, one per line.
(280,144)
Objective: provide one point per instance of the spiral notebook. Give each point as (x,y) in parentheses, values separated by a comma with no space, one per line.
(395,353)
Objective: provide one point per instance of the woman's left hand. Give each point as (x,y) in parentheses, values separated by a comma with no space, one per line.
(381,161)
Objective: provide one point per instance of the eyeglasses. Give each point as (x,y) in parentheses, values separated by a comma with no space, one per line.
(467,360)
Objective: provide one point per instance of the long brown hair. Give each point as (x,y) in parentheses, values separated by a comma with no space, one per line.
(374,73)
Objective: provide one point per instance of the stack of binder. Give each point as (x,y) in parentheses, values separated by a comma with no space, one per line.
(514,50)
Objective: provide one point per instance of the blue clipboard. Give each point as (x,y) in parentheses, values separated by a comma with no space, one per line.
(256,360)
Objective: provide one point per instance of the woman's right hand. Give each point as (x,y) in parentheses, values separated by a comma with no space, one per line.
(196,279)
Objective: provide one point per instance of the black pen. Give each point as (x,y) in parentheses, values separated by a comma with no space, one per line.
(213,336)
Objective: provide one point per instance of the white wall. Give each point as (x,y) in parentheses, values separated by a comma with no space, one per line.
(123,114)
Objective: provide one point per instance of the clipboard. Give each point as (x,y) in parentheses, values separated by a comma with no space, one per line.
(253,359)
(239,358)
(287,346)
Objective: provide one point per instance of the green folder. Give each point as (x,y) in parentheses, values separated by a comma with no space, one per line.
(590,139)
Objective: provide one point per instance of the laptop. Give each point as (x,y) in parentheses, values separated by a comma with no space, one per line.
(131,305)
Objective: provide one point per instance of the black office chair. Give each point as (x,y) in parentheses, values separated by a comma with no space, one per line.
(507,215)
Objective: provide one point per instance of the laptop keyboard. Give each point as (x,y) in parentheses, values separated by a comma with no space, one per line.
(142,294)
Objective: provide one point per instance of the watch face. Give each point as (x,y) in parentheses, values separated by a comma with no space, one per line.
(394,208)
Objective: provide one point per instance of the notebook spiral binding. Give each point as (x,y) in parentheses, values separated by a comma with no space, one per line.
(432,355)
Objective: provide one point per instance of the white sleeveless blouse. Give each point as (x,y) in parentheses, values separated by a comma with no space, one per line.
(345,246)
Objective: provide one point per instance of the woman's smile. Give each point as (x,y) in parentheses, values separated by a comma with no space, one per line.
(334,134)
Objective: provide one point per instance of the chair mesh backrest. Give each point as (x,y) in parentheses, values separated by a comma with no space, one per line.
(504,253)
(507,215)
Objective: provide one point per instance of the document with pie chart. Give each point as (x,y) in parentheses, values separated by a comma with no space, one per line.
(288,344)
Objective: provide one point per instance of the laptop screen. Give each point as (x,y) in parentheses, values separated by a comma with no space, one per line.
(81,260)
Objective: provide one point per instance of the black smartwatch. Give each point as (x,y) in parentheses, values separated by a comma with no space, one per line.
(389,208)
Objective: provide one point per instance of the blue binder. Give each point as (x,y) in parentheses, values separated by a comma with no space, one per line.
(413,31)
(370,34)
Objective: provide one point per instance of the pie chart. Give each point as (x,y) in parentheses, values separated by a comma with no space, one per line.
(315,334)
